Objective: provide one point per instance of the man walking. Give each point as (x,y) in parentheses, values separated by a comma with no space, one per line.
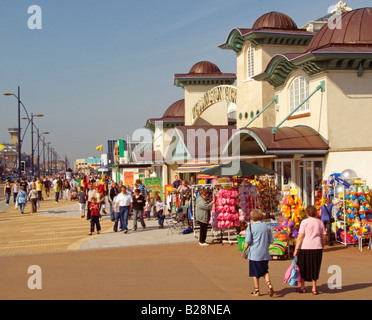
(122,205)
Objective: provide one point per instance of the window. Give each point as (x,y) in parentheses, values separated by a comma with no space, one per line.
(250,62)
(231,111)
(298,92)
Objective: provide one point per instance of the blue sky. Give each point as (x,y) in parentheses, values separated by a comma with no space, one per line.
(98,69)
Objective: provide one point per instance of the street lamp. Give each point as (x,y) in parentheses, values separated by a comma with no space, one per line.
(19,129)
(31,120)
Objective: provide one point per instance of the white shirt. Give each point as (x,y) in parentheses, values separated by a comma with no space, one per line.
(159,206)
(123,200)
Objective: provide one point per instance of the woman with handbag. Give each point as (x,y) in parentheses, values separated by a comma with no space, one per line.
(309,249)
(327,218)
(259,237)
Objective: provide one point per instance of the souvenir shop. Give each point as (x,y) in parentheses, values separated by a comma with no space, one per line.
(235,198)
(352,216)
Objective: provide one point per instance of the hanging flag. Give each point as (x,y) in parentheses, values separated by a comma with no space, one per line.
(99,148)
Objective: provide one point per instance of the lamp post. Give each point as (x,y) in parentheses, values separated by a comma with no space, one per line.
(31,120)
(19,130)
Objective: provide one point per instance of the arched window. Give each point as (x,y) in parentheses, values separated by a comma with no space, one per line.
(298,92)
(250,62)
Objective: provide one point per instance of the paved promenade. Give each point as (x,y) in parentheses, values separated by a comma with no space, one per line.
(151,264)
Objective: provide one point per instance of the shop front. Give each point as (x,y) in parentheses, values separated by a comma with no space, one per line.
(296,154)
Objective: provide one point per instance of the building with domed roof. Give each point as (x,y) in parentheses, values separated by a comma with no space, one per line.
(186,125)
(305,99)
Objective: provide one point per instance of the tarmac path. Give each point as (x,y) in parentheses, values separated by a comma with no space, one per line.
(146,265)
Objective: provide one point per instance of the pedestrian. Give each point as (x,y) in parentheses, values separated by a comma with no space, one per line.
(141,187)
(202,215)
(259,236)
(326,217)
(94,216)
(91,194)
(123,204)
(176,182)
(100,198)
(148,207)
(138,205)
(39,189)
(309,249)
(15,190)
(112,194)
(47,186)
(34,198)
(102,188)
(160,211)
(56,190)
(22,199)
(82,201)
(66,189)
(7,191)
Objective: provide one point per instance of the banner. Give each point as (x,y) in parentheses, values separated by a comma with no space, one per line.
(129,178)
(154,185)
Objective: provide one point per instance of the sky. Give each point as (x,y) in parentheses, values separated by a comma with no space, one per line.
(97,70)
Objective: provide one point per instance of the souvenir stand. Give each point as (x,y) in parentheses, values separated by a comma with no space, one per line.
(179,206)
(213,190)
(353,218)
(285,232)
(235,201)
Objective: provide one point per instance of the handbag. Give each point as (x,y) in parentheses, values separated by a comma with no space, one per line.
(245,252)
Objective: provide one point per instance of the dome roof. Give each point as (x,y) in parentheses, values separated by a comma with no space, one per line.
(204,67)
(353,29)
(274,20)
(177,109)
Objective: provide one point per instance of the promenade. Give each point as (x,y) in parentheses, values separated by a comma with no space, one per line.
(150,264)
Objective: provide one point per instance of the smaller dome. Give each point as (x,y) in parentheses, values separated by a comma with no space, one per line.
(204,67)
(274,20)
(177,109)
(352,29)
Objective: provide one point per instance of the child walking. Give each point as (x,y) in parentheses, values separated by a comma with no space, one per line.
(160,211)
(94,216)
(148,208)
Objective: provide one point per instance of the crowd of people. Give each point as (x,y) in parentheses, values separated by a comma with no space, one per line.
(92,193)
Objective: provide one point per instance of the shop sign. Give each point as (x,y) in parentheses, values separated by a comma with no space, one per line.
(154,185)
(128,178)
(213,96)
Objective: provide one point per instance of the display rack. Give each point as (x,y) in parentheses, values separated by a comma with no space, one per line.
(195,189)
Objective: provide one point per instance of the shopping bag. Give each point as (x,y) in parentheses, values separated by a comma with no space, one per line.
(293,275)
(16,205)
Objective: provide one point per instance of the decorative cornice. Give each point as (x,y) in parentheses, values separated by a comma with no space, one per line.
(280,67)
(238,37)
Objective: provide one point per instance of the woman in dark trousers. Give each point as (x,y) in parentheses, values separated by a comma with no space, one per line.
(309,249)
(202,215)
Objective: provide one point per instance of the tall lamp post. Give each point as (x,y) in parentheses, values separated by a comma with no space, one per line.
(19,130)
(31,120)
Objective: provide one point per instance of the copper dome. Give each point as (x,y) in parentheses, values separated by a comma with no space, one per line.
(354,28)
(274,20)
(177,109)
(204,67)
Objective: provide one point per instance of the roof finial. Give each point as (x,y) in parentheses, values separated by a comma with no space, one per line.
(341,7)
